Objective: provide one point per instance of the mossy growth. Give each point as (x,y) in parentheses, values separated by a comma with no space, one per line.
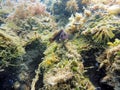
(63,66)
(110,60)
(52,48)
(10,48)
(101,29)
(50,60)
(3,16)
(81,43)
(68,73)
(115,43)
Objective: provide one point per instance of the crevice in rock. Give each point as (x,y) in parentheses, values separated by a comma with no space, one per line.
(93,72)
(24,73)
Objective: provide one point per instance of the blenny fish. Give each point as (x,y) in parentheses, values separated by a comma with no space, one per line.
(59,36)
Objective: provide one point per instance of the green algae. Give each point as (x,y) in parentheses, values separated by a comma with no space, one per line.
(59,65)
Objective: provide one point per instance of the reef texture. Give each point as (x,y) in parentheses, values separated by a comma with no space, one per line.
(36,53)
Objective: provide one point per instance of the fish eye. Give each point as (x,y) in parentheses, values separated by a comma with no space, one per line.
(64,34)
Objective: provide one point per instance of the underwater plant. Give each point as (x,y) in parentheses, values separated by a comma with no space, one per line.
(51,57)
(110,60)
(115,43)
(103,30)
(75,23)
(67,73)
(62,10)
(26,9)
(103,33)
(10,49)
(72,6)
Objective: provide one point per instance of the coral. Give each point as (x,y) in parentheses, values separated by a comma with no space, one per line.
(51,57)
(21,44)
(103,33)
(110,60)
(37,27)
(87,13)
(103,29)
(75,23)
(63,66)
(101,26)
(36,9)
(72,6)
(59,75)
(109,54)
(65,72)
(62,9)
(27,9)
(60,69)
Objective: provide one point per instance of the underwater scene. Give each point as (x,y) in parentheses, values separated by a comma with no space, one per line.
(59,44)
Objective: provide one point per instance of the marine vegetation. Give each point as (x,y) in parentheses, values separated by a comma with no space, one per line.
(67,6)
(10,48)
(72,6)
(103,30)
(110,60)
(59,44)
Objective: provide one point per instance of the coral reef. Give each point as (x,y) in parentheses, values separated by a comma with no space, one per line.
(110,60)
(22,43)
(62,66)
(36,53)
(10,48)
(76,23)
(103,29)
(72,6)
(62,10)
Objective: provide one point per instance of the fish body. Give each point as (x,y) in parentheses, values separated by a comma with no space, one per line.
(59,36)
